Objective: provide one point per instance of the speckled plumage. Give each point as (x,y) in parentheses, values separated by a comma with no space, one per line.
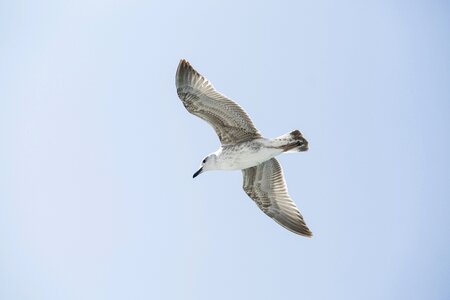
(243,148)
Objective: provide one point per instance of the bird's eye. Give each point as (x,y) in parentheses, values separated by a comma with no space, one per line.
(204,160)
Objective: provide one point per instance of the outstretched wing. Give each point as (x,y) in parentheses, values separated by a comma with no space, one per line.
(266,186)
(229,120)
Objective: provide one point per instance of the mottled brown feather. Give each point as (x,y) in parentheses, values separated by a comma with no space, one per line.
(265,185)
(229,120)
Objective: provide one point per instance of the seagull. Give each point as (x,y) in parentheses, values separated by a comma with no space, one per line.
(243,148)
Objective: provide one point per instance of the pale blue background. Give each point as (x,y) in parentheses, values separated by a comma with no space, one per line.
(97,151)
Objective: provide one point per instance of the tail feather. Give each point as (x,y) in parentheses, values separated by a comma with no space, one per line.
(292,142)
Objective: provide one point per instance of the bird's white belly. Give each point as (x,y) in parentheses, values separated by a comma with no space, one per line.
(245,155)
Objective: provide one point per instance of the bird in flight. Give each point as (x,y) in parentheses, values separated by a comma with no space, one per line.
(244,148)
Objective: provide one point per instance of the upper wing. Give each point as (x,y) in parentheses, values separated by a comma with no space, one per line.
(266,186)
(198,95)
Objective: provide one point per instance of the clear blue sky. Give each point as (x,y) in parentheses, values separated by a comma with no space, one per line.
(97,152)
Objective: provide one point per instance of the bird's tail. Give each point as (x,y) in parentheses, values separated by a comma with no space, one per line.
(291,142)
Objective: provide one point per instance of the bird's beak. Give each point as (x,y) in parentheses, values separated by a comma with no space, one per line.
(200,171)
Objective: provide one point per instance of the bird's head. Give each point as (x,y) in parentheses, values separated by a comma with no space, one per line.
(208,163)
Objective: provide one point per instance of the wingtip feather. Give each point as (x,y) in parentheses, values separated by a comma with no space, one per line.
(187,75)
(303,230)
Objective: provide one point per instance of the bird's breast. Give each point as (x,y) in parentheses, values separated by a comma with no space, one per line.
(245,155)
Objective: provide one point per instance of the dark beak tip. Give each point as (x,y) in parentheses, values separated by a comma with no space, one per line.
(197,173)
